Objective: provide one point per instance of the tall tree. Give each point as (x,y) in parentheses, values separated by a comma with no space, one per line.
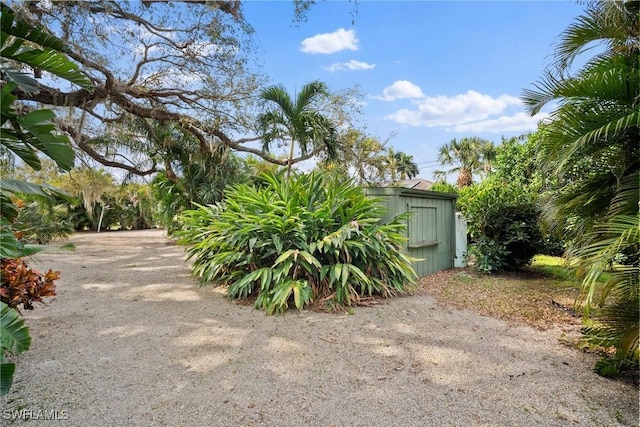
(184,62)
(466,156)
(405,165)
(361,157)
(592,146)
(297,121)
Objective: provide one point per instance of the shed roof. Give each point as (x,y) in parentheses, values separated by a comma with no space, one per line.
(417,183)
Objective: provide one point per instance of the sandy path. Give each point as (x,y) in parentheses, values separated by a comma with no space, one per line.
(131,340)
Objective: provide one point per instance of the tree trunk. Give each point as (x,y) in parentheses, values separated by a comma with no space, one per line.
(290,160)
(465,178)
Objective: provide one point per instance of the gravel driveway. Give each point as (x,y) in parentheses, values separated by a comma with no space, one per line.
(131,340)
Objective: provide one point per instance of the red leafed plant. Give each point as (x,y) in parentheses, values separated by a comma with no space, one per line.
(23,285)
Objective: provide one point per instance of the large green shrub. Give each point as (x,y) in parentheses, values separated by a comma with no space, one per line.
(502,223)
(293,242)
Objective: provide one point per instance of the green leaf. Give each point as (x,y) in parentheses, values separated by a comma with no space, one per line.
(24,81)
(6,377)
(44,51)
(22,187)
(14,339)
(345,274)
(55,63)
(301,293)
(284,256)
(277,242)
(310,259)
(252,242)
(42,135)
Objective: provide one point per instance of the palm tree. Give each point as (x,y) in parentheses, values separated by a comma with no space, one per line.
(466,157)
(297,121)
(592,146)
(405,165)
(488,154)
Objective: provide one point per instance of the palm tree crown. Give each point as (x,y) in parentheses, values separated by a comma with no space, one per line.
(297,121)
(467,156)
(405,165)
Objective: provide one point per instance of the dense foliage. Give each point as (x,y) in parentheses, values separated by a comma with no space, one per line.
(26,133)
(309,239)
(592,146)
(42,220)
(502,223)
(444,187)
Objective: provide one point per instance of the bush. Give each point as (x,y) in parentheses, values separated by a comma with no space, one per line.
(22,285)
(502,224)
(41,221)
(444,187)
(293,242)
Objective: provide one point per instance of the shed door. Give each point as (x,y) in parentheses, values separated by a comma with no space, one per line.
(430,234)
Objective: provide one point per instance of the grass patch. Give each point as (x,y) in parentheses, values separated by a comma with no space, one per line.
(558,269)
(554,267)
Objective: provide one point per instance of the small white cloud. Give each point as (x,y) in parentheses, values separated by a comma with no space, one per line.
(519,122)
(325,43)
(444,111)
(352,65)
(400,89)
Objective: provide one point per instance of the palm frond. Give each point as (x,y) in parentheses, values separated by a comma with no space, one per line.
(309,93)
(278,95)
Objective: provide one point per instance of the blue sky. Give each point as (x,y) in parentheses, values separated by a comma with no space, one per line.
(430,71)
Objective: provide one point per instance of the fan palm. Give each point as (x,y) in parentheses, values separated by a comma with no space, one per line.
(297,121)
(592,146)
(466,157)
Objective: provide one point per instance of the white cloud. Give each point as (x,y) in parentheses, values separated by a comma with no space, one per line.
(340,39)
(444,111)
(519,122)
(400,89)
(352,65)
(470,112)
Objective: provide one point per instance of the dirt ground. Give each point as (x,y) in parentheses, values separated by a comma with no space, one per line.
(132,340)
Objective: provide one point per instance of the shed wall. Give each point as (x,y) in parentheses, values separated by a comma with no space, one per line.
(431,228)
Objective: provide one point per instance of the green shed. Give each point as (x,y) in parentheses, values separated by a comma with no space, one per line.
(431,228)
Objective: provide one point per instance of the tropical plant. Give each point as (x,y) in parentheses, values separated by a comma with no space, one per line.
(14,339)
(25,132)
(502,223)
(21,285)
(444,187)
(405,166)
(41,220)
(361,157)
(292,242)
(467,157)
(130,207)
(297,121)
(591,146)
(189,177)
